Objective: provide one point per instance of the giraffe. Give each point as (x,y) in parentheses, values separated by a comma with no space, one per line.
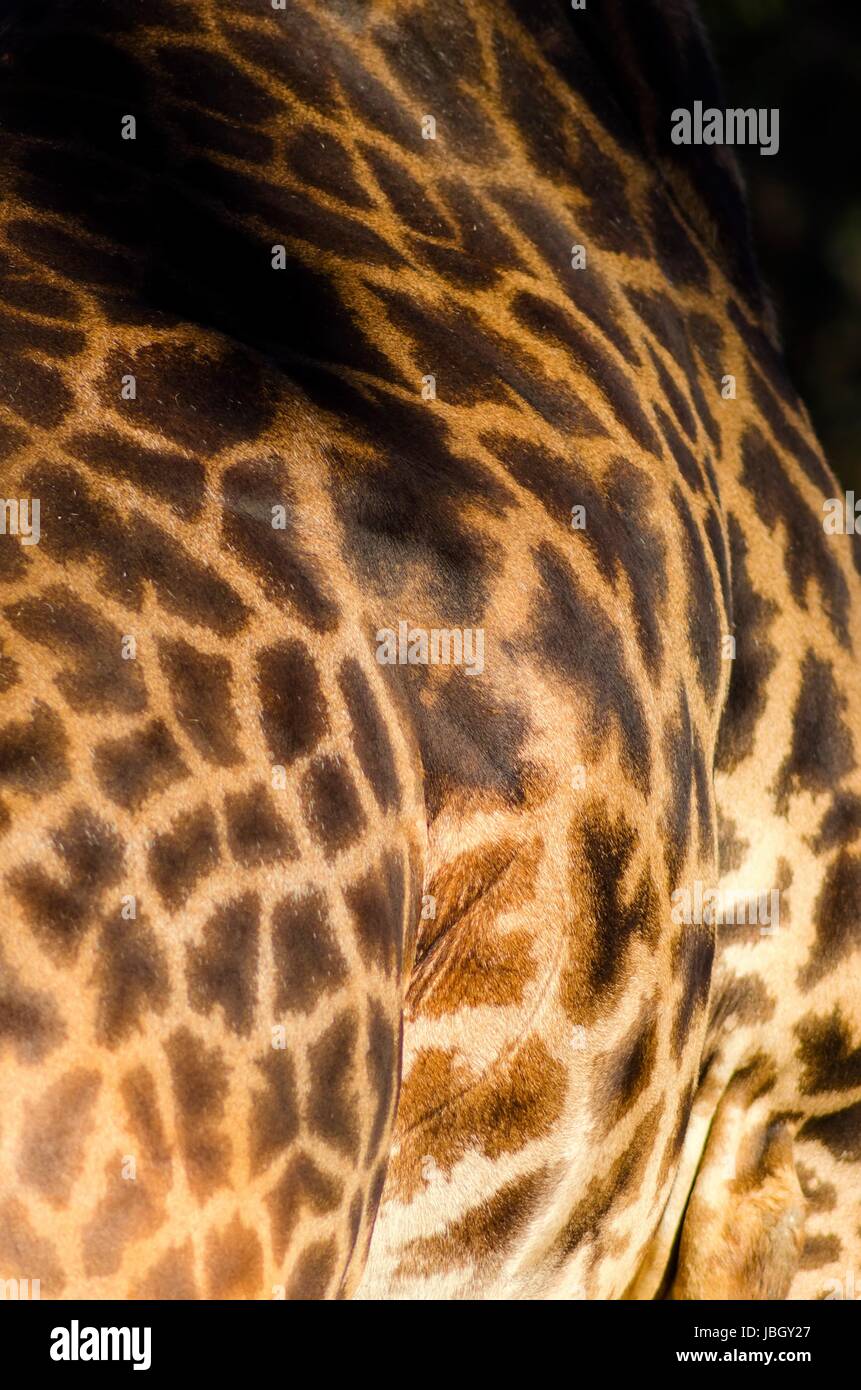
(415,593)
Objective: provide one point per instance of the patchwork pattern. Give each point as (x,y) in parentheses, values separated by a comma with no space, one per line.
(323,975)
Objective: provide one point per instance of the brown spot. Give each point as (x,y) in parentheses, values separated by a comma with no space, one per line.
(274,1111)
(820,1250)
(199,1076)
(181,856)
(127,1212)
(483,1236)
(840,1132)
(836,913)
(470,890)
(732,849)
(202,402)
(131,977)
(140,1097)
(331,805)
(370,735)
(234,1262)
(292,708)
(24,1254)
(823,749)
(284,569)
(33,752)
(821,1196)
(199,687)
(383,1060)
(256,833)
(826,1053)
(376,903)
(308,960)
(30,1020)
(301,1185)
(56,1129)
(624,1074)
(171,1277)
(740,998)
(693,954)
(314,1271)
(447,1110)
(100,680)
(61,912)
(331,1105)
(169,476)
(611,919)
(611,1190)
(130,770)
(222,969)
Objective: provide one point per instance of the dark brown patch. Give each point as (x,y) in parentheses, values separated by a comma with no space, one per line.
(836,914)
(755,658)
(100,680)
(221,970)
(370,736)
(275,554)
(331,805)
(820,1250)
(199,687)
(183,855)
(169,476)
(61,911)
(383,1060)
(256,833)
(234,1262)
(331,1106)
(841,824)
(820,1196)
(131,977)
(22,1249)
(171,1277)
(732,849)
(484,1235)
(30,1019)
(693,953)
(376,903)
(274,1110)
(624,1074)
(133,769)
(199,1077)
(601,851)
(314,1271)
(301,1185)
(54,1135)
(823,748)
(576,640)
(839,1131)
(292,707)
(826,1053)
(613,1189)
(140,1097)
(808,556)
(308,960)
(33,752)
(127,1211)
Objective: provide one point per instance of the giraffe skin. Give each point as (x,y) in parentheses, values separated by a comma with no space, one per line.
(322,976)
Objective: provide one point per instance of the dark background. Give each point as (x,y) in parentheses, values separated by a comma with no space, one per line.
(804,57)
